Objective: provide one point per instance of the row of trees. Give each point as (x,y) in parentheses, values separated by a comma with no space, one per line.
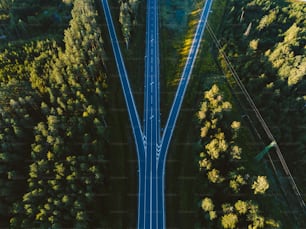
(270,60)
(53,127)
(231,187)
(128,17)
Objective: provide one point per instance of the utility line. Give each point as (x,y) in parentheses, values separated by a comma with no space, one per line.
(259,117)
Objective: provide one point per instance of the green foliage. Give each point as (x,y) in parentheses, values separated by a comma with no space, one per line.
(267,20)
(231,185)
(5,4)
(30,18)
(26,62)
(271,63)
(17,115)
(52,125)
(290,63)
(65,149)
(125,20)
(127,17)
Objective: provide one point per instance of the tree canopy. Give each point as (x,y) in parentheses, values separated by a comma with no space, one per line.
(53,126)
(271,63)
(230,201)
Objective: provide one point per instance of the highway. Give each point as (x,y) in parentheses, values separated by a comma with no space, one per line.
(151,148)
(150,217)
(129,99)
(177,103)
(180,93)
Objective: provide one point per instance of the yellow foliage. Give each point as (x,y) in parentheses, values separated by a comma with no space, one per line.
(201,115)
(214,176)
(207,204)
(229,221)
(260,185)
(50,156)
(236,152)
(205,163)
(235,125)
(204,131)
(241,206)
(40,216)
(212,215)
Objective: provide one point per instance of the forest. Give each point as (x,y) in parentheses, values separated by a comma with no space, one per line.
(265,42)
(57,119)
(52,130)
(230,183)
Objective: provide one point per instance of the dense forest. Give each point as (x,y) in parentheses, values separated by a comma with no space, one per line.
(52,128)
(28,19)
(265,42)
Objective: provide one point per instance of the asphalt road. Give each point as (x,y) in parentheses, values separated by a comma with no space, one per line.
(177,103)
(149,218)
(129,99)
(151,147)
